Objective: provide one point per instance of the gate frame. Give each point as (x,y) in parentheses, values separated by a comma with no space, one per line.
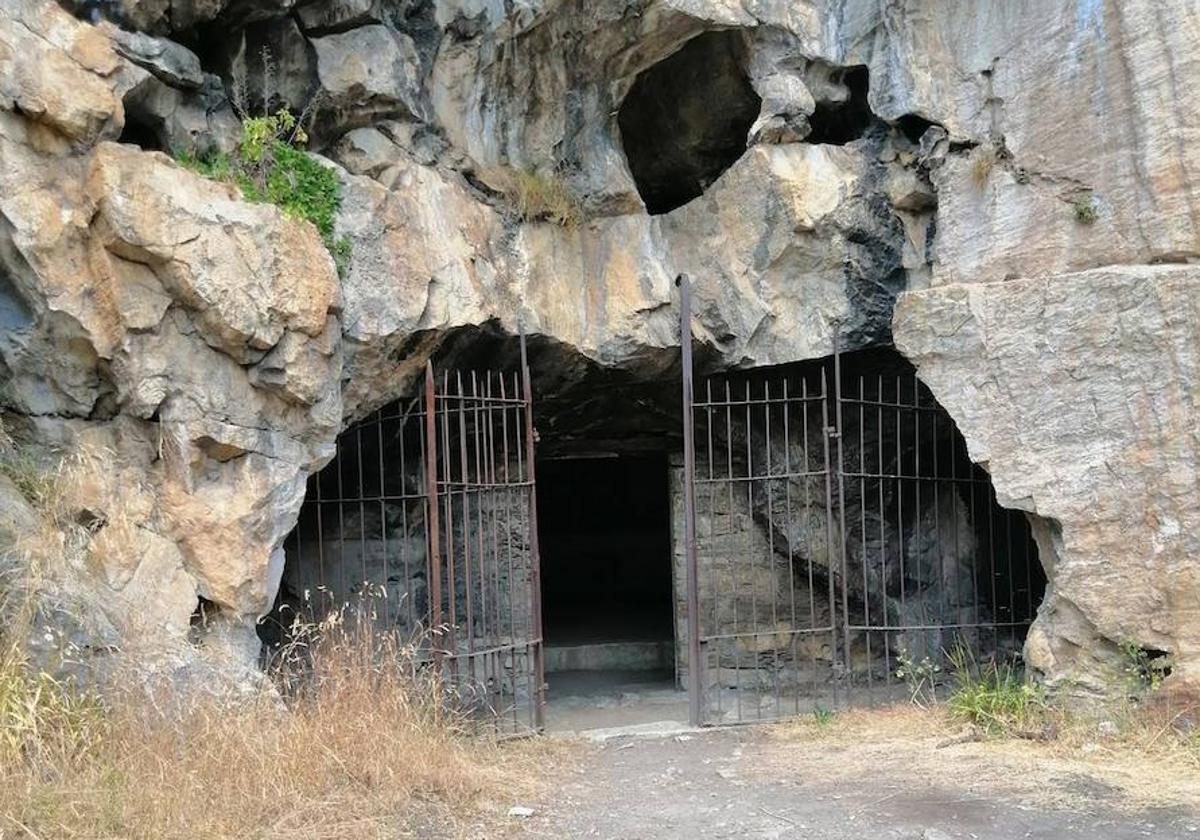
(843,627)
(434,494)
(695,685)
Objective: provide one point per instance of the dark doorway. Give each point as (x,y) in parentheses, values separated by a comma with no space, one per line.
(605,540)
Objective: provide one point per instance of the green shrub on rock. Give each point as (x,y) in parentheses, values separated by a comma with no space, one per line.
(269,166)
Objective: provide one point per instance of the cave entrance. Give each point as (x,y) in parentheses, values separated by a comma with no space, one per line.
(840,537)
(605,527)
(607,594)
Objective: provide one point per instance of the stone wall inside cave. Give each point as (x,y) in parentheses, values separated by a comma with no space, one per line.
(936,153)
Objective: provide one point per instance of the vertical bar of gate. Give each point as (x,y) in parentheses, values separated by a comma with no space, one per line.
(841,470)
(431,495)
(689,502)
(535,570)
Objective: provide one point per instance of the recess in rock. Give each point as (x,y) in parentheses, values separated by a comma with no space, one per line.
(685,119)
(843,121)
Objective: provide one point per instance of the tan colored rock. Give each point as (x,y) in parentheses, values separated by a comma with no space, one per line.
(248,273)
(206,328)
(1078,393)
(57,71)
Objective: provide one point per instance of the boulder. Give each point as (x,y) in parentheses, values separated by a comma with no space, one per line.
(58,74)
(1078,392)
(169,62)
(322,16)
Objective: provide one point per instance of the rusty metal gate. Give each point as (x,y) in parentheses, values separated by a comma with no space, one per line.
(840,545)
(428,511)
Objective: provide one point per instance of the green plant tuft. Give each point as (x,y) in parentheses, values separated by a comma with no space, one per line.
(1145,670)
(996,697)
(921,677)
(1085,210)
(269,166)
(824,717)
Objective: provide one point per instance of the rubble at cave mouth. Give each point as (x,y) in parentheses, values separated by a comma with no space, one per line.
(686,118)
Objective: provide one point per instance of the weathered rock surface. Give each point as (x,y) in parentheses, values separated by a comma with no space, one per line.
(57,75)
(152,313)
(1078,393)
(368,73)
(211,342)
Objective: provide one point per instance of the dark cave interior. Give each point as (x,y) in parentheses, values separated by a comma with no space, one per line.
(676,138)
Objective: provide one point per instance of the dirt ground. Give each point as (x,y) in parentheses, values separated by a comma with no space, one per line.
(889,776)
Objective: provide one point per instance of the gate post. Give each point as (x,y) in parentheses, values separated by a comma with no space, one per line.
(847,662)
(689,503)
(431,493)
(535,560)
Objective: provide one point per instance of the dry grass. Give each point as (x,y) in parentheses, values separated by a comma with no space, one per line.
(350,737)
(983,161)
(364,748)
(1127,759)
(536,196)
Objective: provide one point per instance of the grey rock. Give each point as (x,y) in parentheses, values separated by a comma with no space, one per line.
(197,121)
(339,14)
(368,73)
(786,106)
(1053,382)
(268,65)
(366,151)
(907,190)
(168,61)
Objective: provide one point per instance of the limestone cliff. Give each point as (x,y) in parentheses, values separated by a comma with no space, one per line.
(1009,171)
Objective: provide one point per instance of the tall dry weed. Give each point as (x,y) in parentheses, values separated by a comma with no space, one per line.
(535,196)
(361,746)
(349,737)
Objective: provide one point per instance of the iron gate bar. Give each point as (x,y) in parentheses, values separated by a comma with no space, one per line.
(535,556)
(836,434)
(432,517)
(689,503)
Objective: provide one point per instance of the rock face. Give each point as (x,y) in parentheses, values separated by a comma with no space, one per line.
(969,153)
(153,315)
(1078,393)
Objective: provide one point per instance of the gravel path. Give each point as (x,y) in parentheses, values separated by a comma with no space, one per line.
(728,784)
